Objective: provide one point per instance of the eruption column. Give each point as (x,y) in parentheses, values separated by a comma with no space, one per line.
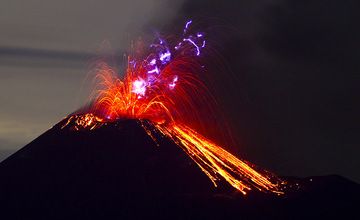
(164,89)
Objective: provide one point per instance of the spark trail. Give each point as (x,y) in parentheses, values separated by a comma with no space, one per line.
(165,88)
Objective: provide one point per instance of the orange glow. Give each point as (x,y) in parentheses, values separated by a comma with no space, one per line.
(86,121)
(165,89)
(115,99)
(216,162)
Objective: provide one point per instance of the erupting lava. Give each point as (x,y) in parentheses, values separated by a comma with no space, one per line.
(165,89)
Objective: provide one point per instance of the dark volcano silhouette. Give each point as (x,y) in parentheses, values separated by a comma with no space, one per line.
(118,171)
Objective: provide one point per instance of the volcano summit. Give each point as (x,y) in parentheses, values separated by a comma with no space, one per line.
(141,149)
(117,170)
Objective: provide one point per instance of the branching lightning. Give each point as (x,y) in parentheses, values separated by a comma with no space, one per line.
(165,89)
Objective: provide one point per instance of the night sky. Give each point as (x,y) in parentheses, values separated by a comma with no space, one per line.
(286,72)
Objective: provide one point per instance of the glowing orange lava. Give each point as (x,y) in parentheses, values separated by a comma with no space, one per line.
(165,89)
(216,162)
(86,121)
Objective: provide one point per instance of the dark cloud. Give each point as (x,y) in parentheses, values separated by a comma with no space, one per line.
(288,78)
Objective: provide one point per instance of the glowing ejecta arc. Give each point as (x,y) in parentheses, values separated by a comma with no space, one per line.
(163,89)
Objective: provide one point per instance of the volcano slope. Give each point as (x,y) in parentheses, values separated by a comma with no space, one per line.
(117,170)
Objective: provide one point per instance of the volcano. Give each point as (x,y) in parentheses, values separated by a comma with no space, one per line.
(117,170)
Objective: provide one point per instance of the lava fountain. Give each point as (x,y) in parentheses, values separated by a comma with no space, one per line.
(165,88)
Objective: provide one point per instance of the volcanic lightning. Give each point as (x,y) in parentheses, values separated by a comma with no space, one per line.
(165,89)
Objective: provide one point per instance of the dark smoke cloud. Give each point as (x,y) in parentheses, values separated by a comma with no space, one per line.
(295,102)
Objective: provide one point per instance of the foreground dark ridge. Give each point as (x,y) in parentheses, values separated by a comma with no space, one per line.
(118,170)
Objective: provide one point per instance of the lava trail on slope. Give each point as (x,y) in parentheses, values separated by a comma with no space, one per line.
(117,170)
